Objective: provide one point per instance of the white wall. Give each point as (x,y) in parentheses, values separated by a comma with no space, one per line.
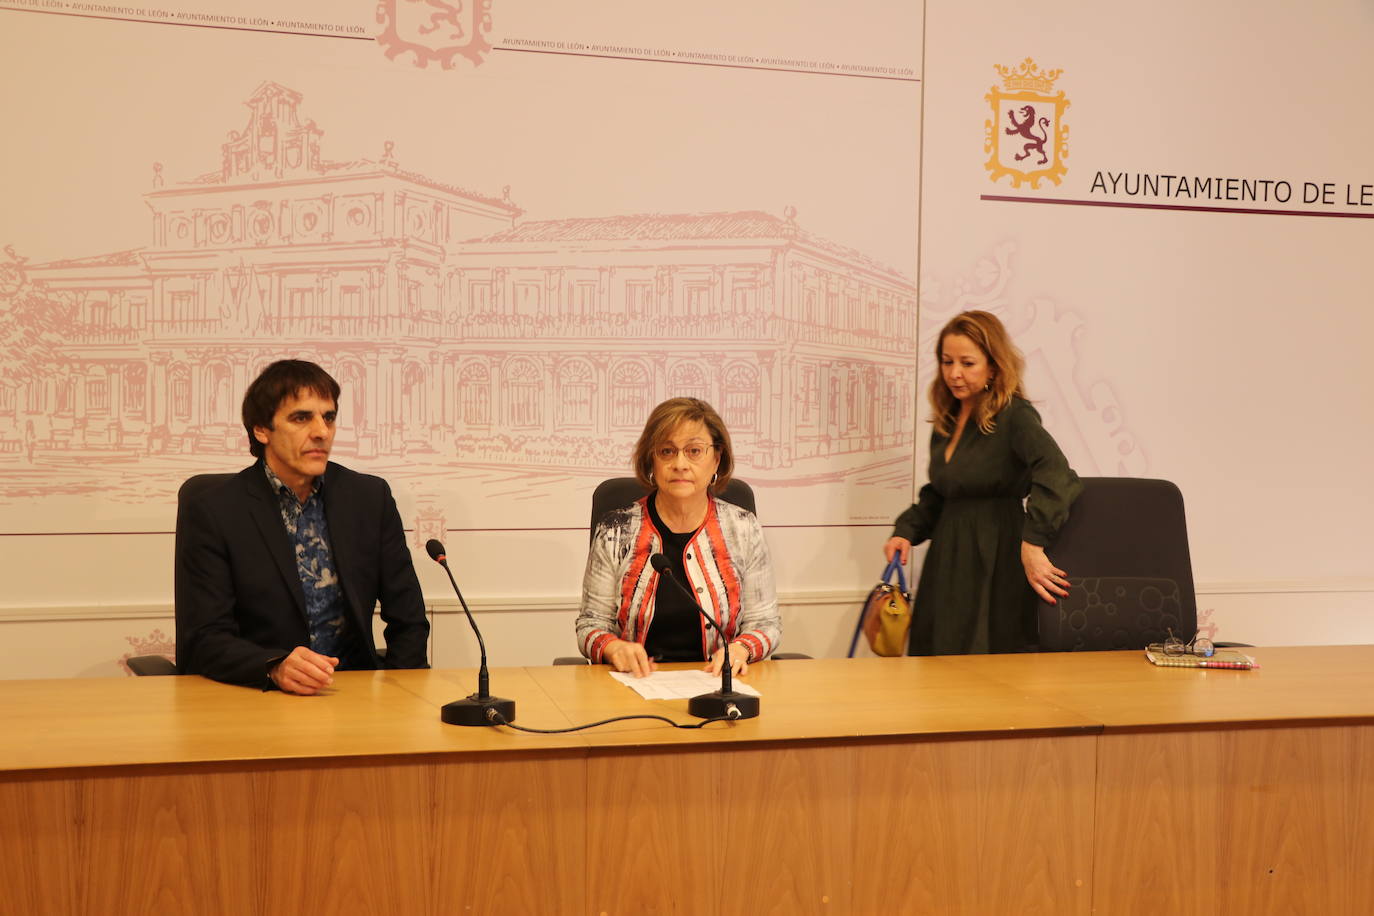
(1222,350)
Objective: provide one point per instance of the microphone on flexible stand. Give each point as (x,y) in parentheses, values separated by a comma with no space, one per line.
(481,707)
(724,703)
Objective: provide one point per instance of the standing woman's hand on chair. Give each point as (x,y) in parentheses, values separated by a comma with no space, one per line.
(1044,577)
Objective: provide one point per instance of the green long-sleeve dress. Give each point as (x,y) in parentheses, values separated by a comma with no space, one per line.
(973,595)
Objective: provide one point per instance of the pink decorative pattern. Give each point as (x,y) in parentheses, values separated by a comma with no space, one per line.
(1081,411)
(463,337)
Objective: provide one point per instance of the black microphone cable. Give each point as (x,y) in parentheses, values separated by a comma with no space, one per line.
(496,718)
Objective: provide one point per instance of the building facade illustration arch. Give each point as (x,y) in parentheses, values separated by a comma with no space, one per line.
(739,396)
(576,394)
(474,395)
(524,393)
(687,379)
(631,393)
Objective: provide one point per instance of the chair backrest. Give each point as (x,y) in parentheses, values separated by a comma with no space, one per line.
(199,483)
(618,492)
(1125,548)
(190,489)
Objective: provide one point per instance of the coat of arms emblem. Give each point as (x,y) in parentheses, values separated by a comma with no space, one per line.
(435,30)
(1026,137)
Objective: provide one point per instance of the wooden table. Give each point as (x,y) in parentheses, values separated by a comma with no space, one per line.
(1230,791)
(1076,783)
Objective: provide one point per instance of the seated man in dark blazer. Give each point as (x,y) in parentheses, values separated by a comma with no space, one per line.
(278,569)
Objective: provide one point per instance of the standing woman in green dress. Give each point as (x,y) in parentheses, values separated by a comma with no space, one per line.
(988,452)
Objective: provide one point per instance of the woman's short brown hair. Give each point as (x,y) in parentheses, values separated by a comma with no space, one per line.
(667,417)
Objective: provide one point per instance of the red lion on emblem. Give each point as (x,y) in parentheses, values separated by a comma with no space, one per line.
(1026,128)
(435,30)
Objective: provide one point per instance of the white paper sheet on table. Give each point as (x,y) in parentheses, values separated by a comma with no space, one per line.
(677,685)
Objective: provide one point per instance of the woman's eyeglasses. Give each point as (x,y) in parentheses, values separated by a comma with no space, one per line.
(1200,646)
(695,453)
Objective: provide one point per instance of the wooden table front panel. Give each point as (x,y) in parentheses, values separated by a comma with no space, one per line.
(949,826)
(440,836)
(1256,820)
(995,826)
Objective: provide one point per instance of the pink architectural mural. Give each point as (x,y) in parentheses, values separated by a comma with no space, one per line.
(462,334)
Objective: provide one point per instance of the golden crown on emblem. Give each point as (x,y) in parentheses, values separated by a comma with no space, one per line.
(1028,75)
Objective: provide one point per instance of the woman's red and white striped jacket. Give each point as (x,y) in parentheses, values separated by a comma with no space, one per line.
(727,569)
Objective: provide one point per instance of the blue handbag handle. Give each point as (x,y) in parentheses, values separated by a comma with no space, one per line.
(896,564)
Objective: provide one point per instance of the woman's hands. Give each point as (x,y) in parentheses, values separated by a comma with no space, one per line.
(1044,577)
(896,545)
(739,660)
(630,657)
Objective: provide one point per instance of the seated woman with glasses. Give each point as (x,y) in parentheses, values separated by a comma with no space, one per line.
(631,616)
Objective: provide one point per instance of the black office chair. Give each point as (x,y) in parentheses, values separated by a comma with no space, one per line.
(618,492)
(151,665)
(1125,548)
(190,488)
(161,665)
(198,484)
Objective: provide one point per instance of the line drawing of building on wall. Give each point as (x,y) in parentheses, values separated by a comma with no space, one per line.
(459,331)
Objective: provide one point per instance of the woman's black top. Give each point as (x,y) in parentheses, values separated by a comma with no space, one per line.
(675,633)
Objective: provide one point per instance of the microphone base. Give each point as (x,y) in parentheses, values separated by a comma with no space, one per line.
(473,711)
(717,705)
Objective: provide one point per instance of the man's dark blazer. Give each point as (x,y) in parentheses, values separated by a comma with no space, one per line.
(239,601)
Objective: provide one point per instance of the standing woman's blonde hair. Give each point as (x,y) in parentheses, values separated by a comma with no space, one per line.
(1005,363)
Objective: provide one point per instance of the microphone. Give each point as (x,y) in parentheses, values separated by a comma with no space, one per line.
(481,707)
(724,703)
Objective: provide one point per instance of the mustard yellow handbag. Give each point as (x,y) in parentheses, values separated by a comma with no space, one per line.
(885,618)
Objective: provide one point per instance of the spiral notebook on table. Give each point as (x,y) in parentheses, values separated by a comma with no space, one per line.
(1221,658)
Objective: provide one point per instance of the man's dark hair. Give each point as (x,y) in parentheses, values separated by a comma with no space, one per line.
(283,379)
